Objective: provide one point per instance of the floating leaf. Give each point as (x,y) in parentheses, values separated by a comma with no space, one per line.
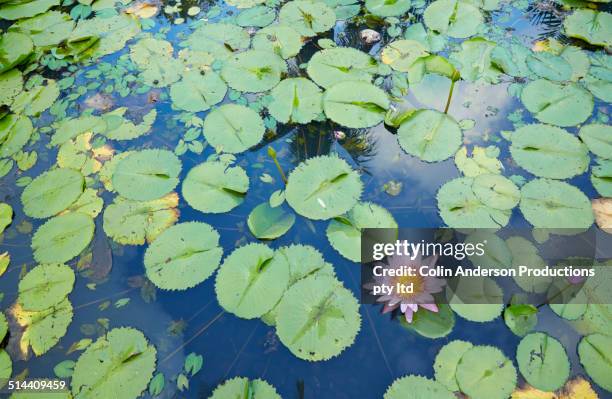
(6,216)
(241,387)
(388,8)
(549,151)
(432,324)
(598,138)
(456,18)
(36,100)
(215,187)
(554,204)
(417,387)
(147,174)
(601,177)
(118,364)
(183,256)
(549,66)
(220,40)
(25,9)
(556,103)
(482,161)
(521,319)
(11,84)
(120,128)
(318,318)
(344,232)
(251,280)
(475,60)
(14,47)
(496,191)
(278,39)
(330,66)
(485,373)
(430,135)
(512,60)
(594,27)
(477,299)
(233,128)
(70,128)
(323,187)
(267,223)
(543,361)
(402,54)
(355,104)
(524,252)
(45,286)
(62,238)
(15,131)
(253,71)
(594,352)
(447,359)
(51,192)
(198,91)
(602,208)
(307,18)
(295,100)
(130,222)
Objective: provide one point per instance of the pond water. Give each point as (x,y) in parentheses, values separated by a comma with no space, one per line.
(180,322)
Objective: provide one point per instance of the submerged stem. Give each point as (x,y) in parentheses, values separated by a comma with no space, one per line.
(450,96)
(272,154)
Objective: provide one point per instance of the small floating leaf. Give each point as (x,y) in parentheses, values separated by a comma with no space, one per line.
(62,238)
(355,104)
(51,192)
(241,387)
(485,373)
(594,351)
(45,286)
(542,361)
(430,135)
(308,18)
(267,223)
(447,359)
(233,128)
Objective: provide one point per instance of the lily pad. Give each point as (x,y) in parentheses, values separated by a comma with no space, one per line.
(355,104)
(432,325)
(147,174)
(598,137)
(258,16)
(131,222)
(482,161)
(485,373)
(402,54)
(118,364)
(278,39)
(251,280)
(15,49)
(296,100)
(601,177)
(542,361)
(215,187)
(25,9)
(447,359)
(475,60)
(417,387)
(253,71)
(594,27)
(52,192)
(330,66)
(496,191)
(15,132)
(45,286)
(556,103)
(318,318)
(198,91)
(554,204)
(219,39)
(548,151)
(48,29)
(388,8)
(323,187)
(62,238)
(11,84)
(240,386)
(267,223)
(233,128)
(307,18)
(456,18)
(430,135)
(344,232)
(120,128)
(36,100)
(594,352)
(154,58)
(183,256)
(477,299)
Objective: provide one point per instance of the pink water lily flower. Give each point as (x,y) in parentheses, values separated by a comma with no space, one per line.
(423,286)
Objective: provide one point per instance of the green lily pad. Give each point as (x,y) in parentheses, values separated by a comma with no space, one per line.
(70,128)
(35,101)
(183,256)
(15,48)
(496,252)
(155,60)
(594,352)
(130,222)
(476,62)
(6,366)
(417,387)
(601,177)
(456,18)
(118,364)
(477,299)
(198,91)
(598,137)
(239,387)
(258,16)
(447,359)
(267,223)
(147,174)
(303,261)
(233,128)
(120,128)
(11,84)
(485,373)
(278,39)
(344,232)
(48,29)
(482,161)
(307,18)
(15,132)
(25,9)
(554,204)
(52,192)
(6,216)
(45,286)
(323,187)
(62,238)
(296,100)
(512,60)
(402,54)
(524,252)
(594,27)
(496,191)
(219,39)
(317,318)
(355,104)
(542,361)
(215,187)
(549,66)
(253,71)
(548,151)
(521,319)
(430,135)
(330,66)
(431,325)
(556,103)
(388,8)
(251,280)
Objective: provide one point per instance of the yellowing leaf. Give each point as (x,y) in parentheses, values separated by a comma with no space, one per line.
(602,208)
(142,10)
(578,388)
(5,259)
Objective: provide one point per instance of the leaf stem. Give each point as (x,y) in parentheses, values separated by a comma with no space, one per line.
(450,96)
(272,154)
